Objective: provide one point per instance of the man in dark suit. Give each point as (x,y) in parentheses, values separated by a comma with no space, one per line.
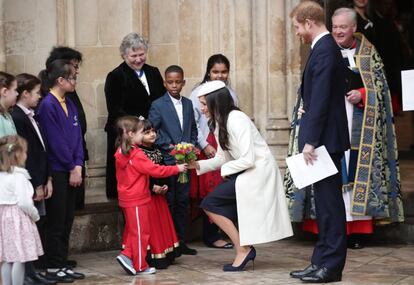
(323,122)
(129,90)
(173,117)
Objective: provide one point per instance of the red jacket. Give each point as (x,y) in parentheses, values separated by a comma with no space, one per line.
(132,173)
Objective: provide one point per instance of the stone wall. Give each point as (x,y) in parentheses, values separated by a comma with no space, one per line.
(255,35)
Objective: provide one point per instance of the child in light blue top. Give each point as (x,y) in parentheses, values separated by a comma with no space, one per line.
(8,95)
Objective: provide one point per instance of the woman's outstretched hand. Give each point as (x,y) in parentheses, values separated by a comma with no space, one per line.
(193,165)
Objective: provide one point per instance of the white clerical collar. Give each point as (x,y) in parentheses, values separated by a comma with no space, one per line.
(318,37)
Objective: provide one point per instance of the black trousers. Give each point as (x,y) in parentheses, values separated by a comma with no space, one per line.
(178,198)
(330,250)
(60,209)
(111,183)
(80,193)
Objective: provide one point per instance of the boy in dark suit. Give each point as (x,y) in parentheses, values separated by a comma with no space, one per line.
(173,117)
(323,122)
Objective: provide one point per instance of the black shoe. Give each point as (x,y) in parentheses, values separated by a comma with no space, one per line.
(185,250)
(322,275)
(73,274)
(305,272)
(30,281)
(59,276)
(355,245)
(42,280)
(250,256)
(71,263)
(228,245)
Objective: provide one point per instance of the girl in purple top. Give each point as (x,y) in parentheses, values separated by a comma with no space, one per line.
(58,119)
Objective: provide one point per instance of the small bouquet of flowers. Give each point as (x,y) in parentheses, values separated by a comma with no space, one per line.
(184,153)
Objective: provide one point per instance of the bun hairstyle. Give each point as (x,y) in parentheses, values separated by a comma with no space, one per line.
(54,70)
(26,82)
(124,125)
(11,149)
(6,80)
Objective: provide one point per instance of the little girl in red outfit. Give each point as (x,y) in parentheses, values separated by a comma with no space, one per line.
(133,169)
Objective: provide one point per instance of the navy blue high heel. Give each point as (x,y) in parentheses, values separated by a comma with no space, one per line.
(250,256)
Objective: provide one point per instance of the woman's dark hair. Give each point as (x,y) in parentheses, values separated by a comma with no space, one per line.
(54,70)
(62,52)
(215,59)
(26,81)
(220,104)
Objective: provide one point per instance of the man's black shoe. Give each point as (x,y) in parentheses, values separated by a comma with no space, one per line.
(186,250)
(40,279)
(305,272)
(59,276)
(322,275)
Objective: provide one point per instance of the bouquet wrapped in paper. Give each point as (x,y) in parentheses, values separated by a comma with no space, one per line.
(184,153)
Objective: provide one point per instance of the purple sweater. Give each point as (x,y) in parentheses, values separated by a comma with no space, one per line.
(63,133)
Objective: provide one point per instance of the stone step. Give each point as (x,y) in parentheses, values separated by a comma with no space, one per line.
(97,227)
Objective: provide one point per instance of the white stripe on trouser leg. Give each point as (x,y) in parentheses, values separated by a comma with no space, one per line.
(139,238)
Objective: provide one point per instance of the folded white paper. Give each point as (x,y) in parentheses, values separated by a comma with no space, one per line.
(304,175)
(407,81)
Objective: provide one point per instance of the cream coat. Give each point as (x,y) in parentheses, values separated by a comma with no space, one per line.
(261,204)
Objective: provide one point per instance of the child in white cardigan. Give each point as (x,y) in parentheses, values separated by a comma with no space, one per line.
(19,238)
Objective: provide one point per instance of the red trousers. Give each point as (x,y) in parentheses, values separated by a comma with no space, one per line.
(136,235)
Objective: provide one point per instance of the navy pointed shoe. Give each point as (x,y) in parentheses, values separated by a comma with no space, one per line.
(250,256)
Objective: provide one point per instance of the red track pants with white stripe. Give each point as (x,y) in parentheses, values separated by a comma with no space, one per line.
(136,235)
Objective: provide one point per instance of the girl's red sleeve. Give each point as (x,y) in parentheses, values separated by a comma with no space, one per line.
(143,164)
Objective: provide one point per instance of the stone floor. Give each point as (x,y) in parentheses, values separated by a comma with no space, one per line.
(391,264)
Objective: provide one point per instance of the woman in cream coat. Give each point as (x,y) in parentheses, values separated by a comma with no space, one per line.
(252,193)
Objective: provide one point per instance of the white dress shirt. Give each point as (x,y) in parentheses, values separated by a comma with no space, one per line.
(318,37)
(30,113)
(178,105)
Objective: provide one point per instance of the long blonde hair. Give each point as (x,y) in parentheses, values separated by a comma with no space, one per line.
(124,125)
(11,150)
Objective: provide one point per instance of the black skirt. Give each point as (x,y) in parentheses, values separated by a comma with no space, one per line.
(222,200)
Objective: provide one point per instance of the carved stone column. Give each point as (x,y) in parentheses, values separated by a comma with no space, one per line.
(276,72)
